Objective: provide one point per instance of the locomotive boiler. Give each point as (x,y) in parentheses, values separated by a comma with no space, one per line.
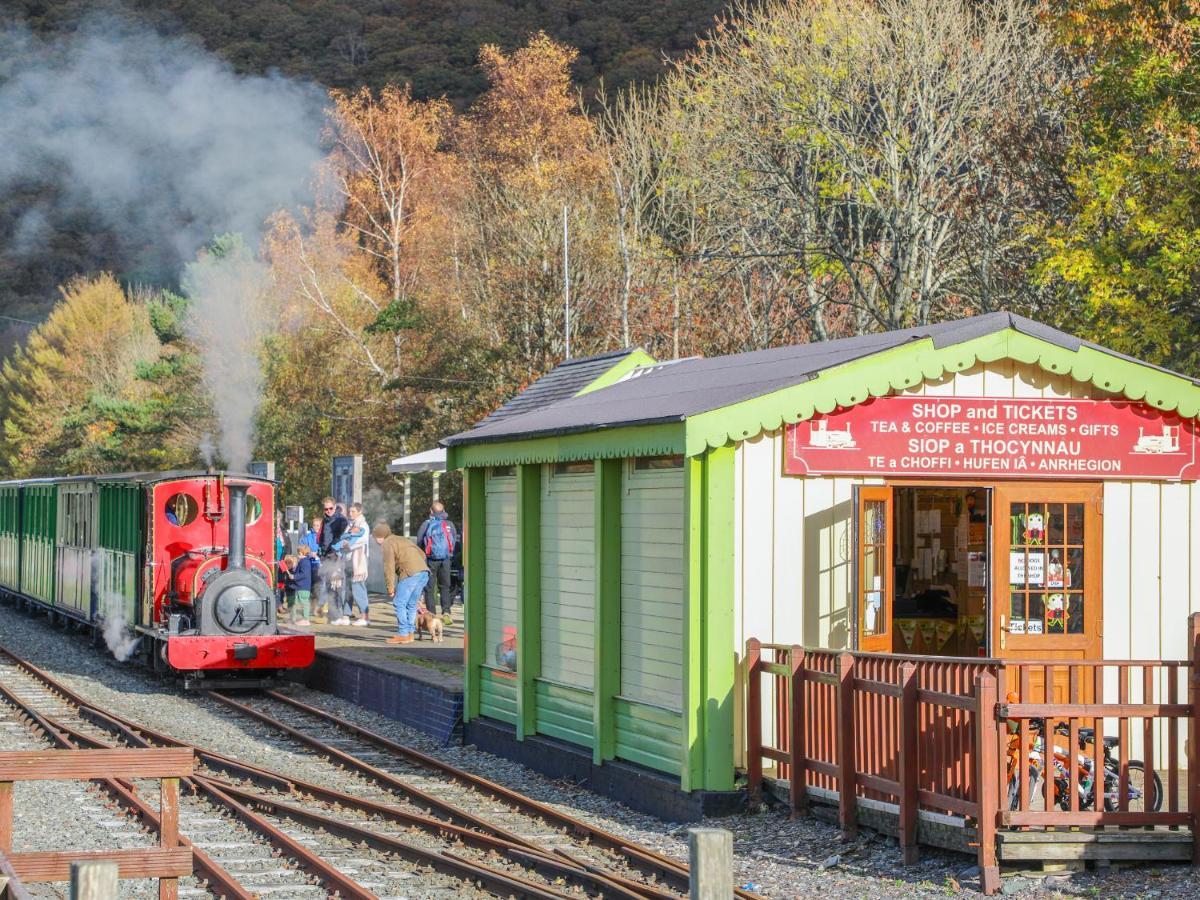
(181,564)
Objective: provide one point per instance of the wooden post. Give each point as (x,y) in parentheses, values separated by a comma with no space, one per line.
(909,771)
(754,762)
(168,831)
(1193,745)
(94,880)
(847,782)
(988,790)
(710,859)
(6,816)
(529,595)
(796,723)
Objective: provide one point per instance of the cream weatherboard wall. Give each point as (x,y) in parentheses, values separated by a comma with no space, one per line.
(498,697)
(653,557)
(568,604)
(794,542)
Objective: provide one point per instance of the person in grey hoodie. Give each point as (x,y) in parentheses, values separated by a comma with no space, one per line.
(438,537)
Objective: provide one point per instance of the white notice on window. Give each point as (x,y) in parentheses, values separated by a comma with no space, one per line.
(1036,573)
(976,569)
(1016,567)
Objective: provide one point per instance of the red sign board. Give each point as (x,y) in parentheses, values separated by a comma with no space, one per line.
(983,437)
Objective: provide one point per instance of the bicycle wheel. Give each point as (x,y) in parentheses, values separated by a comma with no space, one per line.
(1137,791)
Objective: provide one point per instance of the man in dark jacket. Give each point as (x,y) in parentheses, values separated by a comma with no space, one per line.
(438,538)
(333,526)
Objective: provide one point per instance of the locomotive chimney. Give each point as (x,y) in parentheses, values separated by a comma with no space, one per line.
(237,525)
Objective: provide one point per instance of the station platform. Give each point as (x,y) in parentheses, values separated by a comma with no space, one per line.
(419,684)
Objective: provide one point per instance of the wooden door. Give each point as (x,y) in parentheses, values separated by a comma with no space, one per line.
(1047,596)
(875,572)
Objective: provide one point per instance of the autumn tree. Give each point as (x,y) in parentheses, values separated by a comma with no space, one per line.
(105,384)
(530,154)
(1125,251)
(832,157)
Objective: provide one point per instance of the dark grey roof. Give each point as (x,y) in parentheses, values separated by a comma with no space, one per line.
(565,380)
(670,392)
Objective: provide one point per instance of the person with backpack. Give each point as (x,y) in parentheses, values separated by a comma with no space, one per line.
(438,537)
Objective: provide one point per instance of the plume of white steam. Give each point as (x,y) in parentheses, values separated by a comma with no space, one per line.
(169,147)
(120,640)
(113,616)
(226,323)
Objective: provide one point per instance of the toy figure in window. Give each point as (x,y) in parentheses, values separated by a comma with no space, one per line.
(1056,614)
(1035,528)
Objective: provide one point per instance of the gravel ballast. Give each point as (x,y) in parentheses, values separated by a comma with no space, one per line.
(775,856)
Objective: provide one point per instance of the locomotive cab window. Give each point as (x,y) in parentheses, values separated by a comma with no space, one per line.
(253,509)
(181,509)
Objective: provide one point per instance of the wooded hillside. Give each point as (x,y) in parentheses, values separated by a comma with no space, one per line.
(433,45)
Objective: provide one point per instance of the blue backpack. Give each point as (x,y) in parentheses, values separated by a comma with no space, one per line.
(438,542)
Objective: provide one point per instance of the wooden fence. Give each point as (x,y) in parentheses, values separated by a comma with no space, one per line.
(942,735)
(166,862)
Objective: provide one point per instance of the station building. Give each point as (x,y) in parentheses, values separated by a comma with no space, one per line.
(984,487)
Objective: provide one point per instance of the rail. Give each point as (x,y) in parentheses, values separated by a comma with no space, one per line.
(941,735)
(167,862)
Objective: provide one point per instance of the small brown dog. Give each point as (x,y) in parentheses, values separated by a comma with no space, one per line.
(426,621)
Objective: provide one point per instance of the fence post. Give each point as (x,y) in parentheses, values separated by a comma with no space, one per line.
(710,860)
(798,786)
(909,719)
(6,816)
(754,761)
(93,880)
(1193,745)
(847,782)
(987,788)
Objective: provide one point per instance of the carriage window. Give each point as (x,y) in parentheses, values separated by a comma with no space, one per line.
(181,509)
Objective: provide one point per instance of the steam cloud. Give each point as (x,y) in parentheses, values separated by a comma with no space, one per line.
(168,147)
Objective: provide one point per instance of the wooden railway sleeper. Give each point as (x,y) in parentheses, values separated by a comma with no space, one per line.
(414,853)
(601,878)
(644,858)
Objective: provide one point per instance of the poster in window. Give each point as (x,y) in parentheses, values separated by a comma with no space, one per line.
(1016,567)
(1035,572)
(871,611)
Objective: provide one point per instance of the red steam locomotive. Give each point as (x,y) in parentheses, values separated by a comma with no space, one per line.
(176,567)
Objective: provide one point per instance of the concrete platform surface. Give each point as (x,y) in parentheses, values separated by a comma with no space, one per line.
(369,645)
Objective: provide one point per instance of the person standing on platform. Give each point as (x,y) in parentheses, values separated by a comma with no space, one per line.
(333,526)
(354,556)
(406,574)
(438,537)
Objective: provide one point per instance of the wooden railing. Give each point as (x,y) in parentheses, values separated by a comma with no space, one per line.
(941,734)
(903,730)
(166,862)
(1151,707)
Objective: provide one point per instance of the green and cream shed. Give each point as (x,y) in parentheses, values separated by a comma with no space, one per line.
(983,487)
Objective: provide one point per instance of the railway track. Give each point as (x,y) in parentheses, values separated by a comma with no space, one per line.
(388,819)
